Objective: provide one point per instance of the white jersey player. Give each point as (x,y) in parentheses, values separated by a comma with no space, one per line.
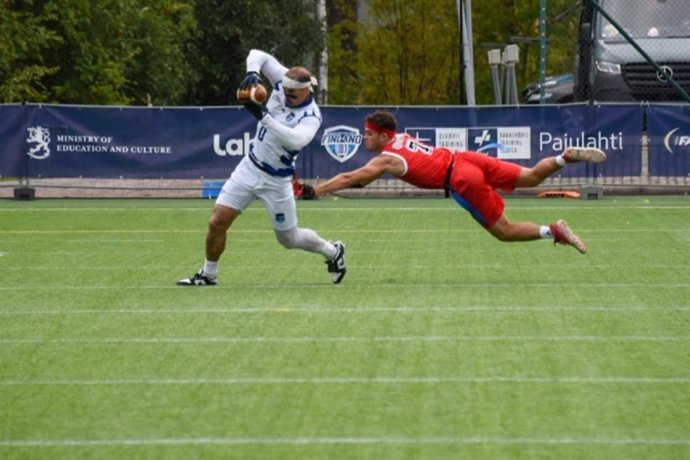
(286,124)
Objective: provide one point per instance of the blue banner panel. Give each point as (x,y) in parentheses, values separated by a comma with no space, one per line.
(523,135)
(138,143)
(207,143)
(13,163)
(669,140)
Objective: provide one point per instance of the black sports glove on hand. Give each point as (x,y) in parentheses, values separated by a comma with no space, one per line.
(308,192)
(250,80)
(257,110)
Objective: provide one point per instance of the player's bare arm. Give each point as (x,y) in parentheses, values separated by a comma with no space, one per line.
(377,167)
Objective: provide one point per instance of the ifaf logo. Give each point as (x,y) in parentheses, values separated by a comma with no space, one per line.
(40,137)
(675,140)
(341,142)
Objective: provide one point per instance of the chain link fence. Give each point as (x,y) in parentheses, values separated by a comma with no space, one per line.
(616,51)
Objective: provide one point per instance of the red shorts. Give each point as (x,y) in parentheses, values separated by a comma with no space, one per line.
(474,181)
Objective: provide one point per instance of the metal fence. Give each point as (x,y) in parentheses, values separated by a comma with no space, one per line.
(616,51)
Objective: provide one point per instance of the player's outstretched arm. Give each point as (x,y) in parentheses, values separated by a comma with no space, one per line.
(377,167)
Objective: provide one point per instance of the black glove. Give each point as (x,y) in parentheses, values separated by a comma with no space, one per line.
(308,192)
(250,80)
(257,110)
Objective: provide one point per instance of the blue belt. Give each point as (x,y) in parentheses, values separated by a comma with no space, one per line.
(270,170)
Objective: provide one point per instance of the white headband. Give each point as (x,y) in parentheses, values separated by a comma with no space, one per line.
(294,84)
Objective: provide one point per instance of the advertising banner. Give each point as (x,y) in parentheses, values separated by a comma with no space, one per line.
(13,158)
(138,142)
(669,140)
(523,135)
(208,142)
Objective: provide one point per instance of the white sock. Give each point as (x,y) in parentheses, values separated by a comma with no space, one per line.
(561,161)
(307,240)
(210,269)
(545,232)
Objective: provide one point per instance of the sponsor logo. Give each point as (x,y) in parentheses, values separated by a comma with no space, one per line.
(39,141)
(607,142)
(341,142)
(485,141)
(507,143)
(672,140)
(232,147)
(40,138)
(425,135)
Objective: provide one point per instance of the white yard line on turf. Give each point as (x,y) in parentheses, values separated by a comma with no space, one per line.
(335,440)
(440,206)
(429,380)
(19,311)
(283,287)
(345,339)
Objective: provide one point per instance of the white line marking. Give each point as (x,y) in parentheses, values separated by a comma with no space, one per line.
(439,206)
(355,381)
(459,284)
(367,231)
(377,267)
(287,309)
(363,440)
(211,340)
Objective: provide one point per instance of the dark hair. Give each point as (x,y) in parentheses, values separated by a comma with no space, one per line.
(383,119)
(299,74)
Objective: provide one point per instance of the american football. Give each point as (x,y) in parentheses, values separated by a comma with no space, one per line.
(256,93)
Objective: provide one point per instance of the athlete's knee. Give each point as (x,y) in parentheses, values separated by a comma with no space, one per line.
(289,239)
(221,219)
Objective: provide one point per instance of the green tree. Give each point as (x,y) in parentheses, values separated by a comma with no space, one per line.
(96,51)
(406,52)
(288,29)
(343,77)
(161,71)
(498,23)
(118,52)
(26,37)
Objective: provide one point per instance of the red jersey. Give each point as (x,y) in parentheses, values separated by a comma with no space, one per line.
(425,166)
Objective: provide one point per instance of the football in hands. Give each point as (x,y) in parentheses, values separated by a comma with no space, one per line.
(257,94)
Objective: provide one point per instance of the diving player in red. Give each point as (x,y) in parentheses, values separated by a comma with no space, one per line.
(471,178)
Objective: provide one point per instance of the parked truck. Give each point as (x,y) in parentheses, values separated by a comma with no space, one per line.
(610,68)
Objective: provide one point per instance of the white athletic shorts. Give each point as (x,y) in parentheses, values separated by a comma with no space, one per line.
(247,183)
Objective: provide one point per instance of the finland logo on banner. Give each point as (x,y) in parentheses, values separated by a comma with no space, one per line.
(341,142)
(672,140)
(40,137)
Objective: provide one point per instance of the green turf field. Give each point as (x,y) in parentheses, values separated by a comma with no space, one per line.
(441,342)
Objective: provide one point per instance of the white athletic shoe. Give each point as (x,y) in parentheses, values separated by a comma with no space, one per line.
(199,279)
(336,265)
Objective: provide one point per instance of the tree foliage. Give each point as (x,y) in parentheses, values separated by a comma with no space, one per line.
(287,29)
(501,22)
(192,52)
(26,39)
(168,52)
(406,52)
(409,52)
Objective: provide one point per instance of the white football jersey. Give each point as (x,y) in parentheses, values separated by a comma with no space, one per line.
(284,131)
